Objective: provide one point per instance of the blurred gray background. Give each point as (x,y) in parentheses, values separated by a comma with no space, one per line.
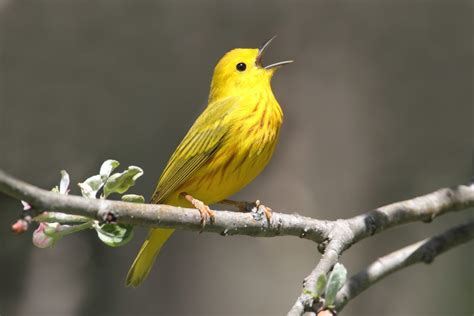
(378,108)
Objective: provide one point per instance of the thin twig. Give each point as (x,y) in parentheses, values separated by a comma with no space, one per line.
(423,251)
(65,219)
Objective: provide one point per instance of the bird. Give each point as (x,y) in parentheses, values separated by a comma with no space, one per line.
(228,145)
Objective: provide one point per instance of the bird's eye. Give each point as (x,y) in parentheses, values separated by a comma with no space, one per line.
(241,66)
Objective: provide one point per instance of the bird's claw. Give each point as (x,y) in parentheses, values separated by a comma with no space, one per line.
(257,208)
(205,211)
(266,210)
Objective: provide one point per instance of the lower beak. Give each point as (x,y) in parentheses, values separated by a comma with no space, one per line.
(258,60)
(279,64)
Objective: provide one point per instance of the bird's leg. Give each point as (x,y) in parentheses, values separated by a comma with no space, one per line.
(205,211)
(244,206)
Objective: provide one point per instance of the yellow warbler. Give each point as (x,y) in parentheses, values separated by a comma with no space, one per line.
(226,148)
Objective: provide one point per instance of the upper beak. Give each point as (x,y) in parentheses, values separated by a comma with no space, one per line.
(258,60)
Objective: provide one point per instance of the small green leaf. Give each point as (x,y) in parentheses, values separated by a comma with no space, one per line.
(107,167)
(121,182)
(91,186)
(133,198)
(320,285)
(336,280)
(51,229)
(114,235)
(308,292)
(64,184)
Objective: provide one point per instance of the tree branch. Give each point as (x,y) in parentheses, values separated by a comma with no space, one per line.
(345,233)
(157,215)
(334,237)
(423,251)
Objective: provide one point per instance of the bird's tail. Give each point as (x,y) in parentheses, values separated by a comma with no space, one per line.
(145,258)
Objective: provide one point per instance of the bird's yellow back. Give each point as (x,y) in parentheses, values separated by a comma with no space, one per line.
(226,148)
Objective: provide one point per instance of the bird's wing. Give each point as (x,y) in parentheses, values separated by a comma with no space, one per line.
(199,144)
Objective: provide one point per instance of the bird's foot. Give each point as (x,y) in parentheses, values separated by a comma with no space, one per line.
(204,210)
(256,208)
(259,207)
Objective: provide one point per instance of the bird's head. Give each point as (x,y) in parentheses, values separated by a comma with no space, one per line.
(241,71)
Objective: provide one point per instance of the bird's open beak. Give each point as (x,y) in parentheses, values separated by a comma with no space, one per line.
(258,61)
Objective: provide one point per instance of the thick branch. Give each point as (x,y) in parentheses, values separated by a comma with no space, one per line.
(423,251)
(153,215)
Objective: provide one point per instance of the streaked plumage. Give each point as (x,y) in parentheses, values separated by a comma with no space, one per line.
(226,148)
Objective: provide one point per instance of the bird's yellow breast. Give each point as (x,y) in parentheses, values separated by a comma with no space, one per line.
(242,155)
(228,145)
